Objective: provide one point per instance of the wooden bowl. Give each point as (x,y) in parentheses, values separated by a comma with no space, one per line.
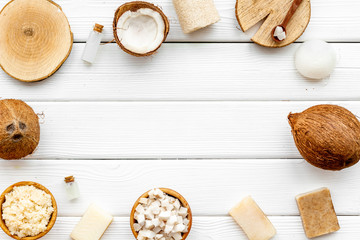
(35,38)
(169,192)
(52,219)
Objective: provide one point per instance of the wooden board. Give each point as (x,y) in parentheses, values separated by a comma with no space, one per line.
(113,130)
(214,72)
(205,95)
(250,12)
(327,20)
(273,183)
(211,228)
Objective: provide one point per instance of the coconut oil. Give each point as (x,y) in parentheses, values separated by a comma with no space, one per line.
(72,188)
(92,44)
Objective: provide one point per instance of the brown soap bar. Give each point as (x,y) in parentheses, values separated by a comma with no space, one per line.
(317,213)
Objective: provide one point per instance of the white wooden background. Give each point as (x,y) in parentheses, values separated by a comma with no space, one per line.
(206,116)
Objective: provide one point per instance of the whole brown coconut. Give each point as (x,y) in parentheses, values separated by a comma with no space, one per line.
(327,136)
(19,129)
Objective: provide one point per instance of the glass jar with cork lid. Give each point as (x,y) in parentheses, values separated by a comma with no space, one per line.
(92,44)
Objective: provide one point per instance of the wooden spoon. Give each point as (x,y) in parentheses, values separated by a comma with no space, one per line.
(288,16)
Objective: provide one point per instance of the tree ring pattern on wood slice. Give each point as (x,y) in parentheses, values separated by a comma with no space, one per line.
(250,12)
(36,39)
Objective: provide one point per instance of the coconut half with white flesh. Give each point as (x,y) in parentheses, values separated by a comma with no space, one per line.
(140,28)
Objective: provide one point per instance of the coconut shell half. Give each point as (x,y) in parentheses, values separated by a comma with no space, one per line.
(19,129)
(134,6)
(327,136)
(35,39)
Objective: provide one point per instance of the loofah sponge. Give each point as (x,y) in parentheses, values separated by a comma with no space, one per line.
(196,14)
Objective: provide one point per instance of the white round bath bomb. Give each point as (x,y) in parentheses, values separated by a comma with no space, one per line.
(315,59)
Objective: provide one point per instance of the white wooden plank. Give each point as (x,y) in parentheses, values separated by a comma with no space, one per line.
(213,228)
(212,187)
(331,20)
(192,72)
(169,129)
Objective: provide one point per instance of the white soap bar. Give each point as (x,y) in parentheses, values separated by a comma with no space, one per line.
(92,225)
(252,220)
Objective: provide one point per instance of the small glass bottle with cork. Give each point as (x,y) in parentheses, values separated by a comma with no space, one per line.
(92,44)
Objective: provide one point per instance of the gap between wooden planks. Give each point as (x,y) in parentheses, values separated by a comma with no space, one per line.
(331,21)
(212,187)
(120,130)
(192,72)
(213,228)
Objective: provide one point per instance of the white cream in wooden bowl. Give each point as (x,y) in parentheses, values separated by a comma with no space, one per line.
(27,211)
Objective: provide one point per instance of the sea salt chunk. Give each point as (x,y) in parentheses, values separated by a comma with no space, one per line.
(143,201)
(281,36)
(149,214)
(176,236)
(137,227)
(146,234)
(165,215)
(177,204)
(179,220)
(159,236)
(278,30)
(183,212)
(158,193)
(156,222)
(157,230)
(141,219)
(172,200)
(162,224)
(149,224)
(186,221)
(168,228)
(279,33)
(155,209)
(140,209)
(172,220)
(179,228)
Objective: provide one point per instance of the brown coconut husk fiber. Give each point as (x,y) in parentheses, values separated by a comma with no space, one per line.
(327,136)
(35,38)
(134,6)
(19,129)
(196,14)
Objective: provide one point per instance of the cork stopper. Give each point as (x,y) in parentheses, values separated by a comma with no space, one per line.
(98,28)
(69,179)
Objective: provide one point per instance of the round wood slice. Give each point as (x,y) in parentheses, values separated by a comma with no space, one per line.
(250,12)
(35,39)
